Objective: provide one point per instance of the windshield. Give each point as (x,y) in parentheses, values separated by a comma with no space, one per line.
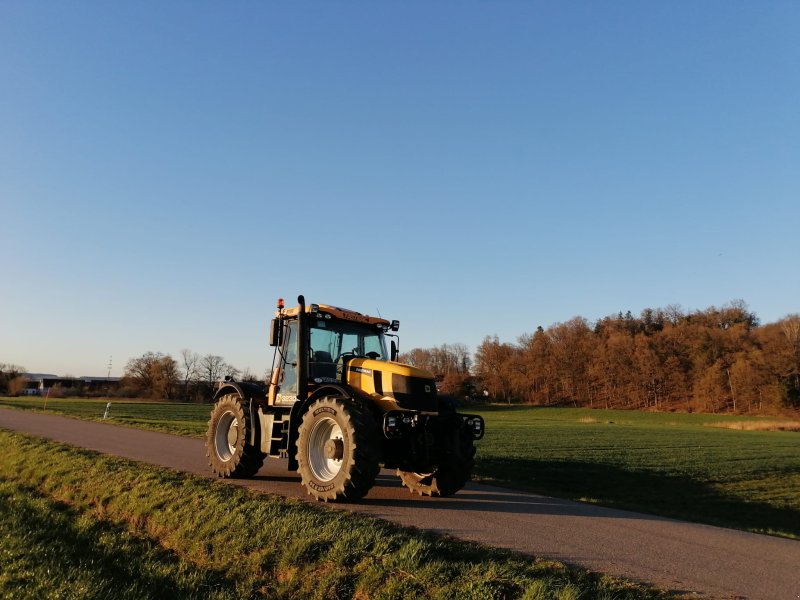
(330,338)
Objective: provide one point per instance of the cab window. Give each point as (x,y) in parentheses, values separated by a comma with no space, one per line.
(289,366)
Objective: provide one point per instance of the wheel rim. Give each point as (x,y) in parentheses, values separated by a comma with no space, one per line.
(325,449)
(226,435)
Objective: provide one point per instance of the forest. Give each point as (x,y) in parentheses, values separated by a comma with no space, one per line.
(712,360)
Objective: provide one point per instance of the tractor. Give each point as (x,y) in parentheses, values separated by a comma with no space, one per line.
(339,407)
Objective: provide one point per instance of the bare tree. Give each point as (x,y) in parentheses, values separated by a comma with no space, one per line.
(440,360)
(8,372)
(213,368)
(248,375)
(153,374)
(190,366)
(8,368)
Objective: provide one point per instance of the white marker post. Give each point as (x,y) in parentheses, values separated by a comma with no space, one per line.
(108,410)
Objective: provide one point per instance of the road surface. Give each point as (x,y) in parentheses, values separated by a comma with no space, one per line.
(696,559)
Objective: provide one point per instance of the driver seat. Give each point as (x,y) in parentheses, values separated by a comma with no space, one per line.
(322,365)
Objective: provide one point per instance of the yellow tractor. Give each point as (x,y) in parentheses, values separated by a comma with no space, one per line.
(339,407)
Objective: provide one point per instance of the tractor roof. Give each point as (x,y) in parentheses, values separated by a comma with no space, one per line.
(334,311)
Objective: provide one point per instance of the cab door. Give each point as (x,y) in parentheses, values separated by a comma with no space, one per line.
(287,393)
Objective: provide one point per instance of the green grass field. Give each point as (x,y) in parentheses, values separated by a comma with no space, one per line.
(681,465)
(76,524)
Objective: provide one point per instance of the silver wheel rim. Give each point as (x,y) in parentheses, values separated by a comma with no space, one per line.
(322,467)
(226,436)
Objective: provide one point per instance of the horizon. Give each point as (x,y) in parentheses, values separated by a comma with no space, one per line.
(472,349)
(169,171)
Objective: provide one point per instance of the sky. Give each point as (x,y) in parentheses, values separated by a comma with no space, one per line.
(169,169)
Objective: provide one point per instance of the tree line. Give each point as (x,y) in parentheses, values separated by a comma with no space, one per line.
(717,359)
(450,363)
(191,378)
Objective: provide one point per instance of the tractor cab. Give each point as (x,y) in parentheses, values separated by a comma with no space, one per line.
(332,337)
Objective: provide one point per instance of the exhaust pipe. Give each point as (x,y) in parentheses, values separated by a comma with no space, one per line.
(302,350)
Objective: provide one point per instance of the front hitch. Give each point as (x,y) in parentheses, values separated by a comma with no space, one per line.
(400,423)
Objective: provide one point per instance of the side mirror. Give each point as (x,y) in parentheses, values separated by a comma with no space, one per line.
(275,332)
(395,352)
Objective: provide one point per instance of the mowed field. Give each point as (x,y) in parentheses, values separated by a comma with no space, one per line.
(714,469)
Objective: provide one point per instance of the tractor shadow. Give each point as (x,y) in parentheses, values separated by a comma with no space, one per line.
(611,492)
(270,478)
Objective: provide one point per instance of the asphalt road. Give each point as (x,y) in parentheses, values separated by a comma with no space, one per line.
(709,561)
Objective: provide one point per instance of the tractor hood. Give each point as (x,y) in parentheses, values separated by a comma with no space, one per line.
(410,388)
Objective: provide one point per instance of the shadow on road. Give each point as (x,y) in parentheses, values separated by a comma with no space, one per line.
(606,485)
(616,490)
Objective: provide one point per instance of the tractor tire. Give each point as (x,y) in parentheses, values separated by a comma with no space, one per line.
(450,476)
(227,447)
(338,450)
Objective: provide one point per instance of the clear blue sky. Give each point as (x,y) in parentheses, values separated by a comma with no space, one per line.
(168,169)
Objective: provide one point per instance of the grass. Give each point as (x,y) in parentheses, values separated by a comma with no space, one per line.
(716,469)
(686,466)
(50,549)
(169,417)
(76,524)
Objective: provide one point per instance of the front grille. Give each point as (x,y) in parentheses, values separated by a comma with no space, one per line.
(414,393)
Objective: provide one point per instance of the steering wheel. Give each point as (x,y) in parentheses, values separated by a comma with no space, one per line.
(342,358)
(344,355)
(373,355)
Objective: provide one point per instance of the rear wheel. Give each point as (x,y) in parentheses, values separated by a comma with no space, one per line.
(452,474)
(338,450)
(229,452)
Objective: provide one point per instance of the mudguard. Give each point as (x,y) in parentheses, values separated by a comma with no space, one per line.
(252,393)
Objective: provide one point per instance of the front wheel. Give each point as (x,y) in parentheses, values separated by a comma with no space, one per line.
(229,452)
(338,450)
(452,474)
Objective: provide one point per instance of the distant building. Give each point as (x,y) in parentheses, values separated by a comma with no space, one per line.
(40,383)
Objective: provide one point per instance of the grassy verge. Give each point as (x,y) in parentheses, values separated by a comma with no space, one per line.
(716,469)
(76,524)
(687,466)
(51,550)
